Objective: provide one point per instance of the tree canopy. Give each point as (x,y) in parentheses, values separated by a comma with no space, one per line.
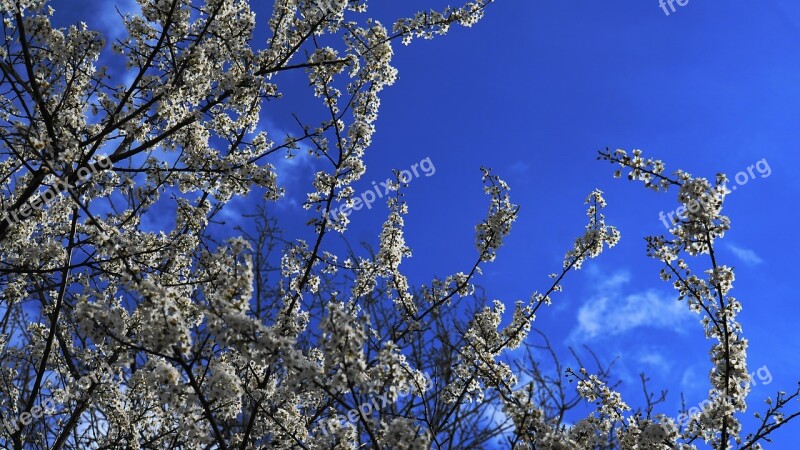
(116,335)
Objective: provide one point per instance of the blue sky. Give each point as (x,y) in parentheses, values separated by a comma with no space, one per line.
(536,89)
(533,91)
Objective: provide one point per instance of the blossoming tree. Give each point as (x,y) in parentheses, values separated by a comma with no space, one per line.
(116,336)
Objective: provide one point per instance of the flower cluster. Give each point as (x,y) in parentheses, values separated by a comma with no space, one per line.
(710,295)
(597,233)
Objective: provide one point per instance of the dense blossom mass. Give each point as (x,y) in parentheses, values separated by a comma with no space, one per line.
(263,340)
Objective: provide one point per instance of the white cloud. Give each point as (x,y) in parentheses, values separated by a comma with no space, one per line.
(693,380)
(519,167)
(746,255)
(110,16)
(655,360)
(611,312)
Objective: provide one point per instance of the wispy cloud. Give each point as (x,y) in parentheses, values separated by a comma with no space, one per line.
(655,359)
(693,380)
(745,254)
(519,167)
(109,16)
(611,312)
